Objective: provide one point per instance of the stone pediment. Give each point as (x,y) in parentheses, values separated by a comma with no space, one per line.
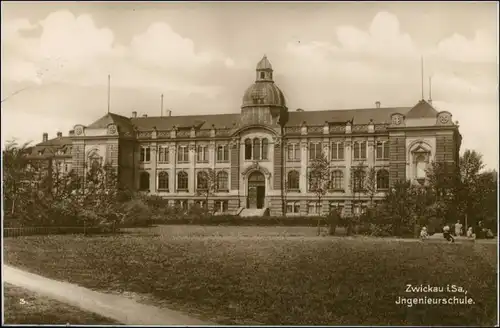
(256,167)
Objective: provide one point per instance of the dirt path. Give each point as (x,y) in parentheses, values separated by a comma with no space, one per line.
(115,307)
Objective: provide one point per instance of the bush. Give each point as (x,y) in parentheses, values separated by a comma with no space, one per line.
(136,213)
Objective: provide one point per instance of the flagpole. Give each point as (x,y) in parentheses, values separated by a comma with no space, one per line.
(109,92)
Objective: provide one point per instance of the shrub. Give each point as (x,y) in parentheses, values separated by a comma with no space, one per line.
(135,213)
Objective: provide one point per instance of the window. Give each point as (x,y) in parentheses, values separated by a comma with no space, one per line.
(382,150)
(222,181)
(359,150)
(65,167)
(262,75)
(382,179)
(163,180)
(248,149)
(256,149)
(421,167)
(163,154)
(314,151)
(337,182)
(264,148)
(359,180)
(359,208)
(183,154)
(293,207)
(182,181)
(202,154)
(144,181)
(202,181)
(145,154)
(221,206)
(293,180)
(293,152)
(183,204)
(201,204)
(313,208)
(337,150)
(222,153)
(339,206)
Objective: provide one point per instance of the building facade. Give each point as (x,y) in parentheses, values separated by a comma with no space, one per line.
(262,148)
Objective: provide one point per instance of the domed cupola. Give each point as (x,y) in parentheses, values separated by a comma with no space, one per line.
(263,102)
(264,92)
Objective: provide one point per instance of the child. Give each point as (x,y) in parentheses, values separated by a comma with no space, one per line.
(470,233)
(447,235)
(423,233)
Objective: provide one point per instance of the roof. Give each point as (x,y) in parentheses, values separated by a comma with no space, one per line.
(199,121)
(263,94)
(123,123)
(358,116)
(264,64)
(50,147)
(422,110)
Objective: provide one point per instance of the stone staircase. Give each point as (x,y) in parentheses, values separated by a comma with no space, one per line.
(254,212)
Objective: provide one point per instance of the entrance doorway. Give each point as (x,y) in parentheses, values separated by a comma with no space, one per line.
(256,190)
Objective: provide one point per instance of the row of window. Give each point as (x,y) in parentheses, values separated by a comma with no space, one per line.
(337,180)
(337,150)
(222,154)
(219,182)
(220,206)
(312,207)
(257,149)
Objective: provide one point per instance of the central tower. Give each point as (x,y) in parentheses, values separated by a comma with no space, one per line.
(263,102)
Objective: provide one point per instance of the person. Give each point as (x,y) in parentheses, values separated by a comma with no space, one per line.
(423,233)
(470,233)
(447,235)
(458,228)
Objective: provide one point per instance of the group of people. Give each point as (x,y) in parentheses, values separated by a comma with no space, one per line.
(480,232)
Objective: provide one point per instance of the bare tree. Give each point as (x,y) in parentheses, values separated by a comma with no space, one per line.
(319,180)
(371,184)
(207,184)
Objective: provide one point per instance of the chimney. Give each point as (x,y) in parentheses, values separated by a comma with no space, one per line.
(377,103)
(71,133)
(45,137)
(144,115)
(59,134)
(134,114)
(168,112)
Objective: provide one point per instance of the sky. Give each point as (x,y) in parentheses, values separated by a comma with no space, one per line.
(56,57)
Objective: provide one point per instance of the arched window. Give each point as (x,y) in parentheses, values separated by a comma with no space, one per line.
(201,180)
(182,181)
(248,149)
(222,180)
(337,180)
(421,166)
(144,181)
(382,179)
(293,180)
(163,180)
(264,148)
(256,148)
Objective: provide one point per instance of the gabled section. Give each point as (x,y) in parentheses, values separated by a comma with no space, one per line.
(422,110)
(123,123)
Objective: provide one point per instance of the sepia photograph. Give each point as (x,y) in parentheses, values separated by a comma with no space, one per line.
(251,163)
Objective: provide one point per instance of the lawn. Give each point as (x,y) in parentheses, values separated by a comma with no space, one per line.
(24,307)
(270,280)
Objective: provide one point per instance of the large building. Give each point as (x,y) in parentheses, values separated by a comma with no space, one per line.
(265,145)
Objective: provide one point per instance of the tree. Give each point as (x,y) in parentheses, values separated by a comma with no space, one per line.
(207,184)
(319,180)
(371,184)
(399,204)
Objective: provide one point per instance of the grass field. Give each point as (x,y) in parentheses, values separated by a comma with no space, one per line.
(24,307)
(270,280)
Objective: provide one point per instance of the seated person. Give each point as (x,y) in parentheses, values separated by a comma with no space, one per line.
(447,235)
(423,233)
(470,233)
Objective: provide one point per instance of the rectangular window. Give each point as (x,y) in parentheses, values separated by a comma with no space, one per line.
(312,208)
(314,151)
(337,151)
(145,154)
(202,154)
(293,152)
(359,150)
(163,154)
(183,154)
(339,206)
(382,150)
(221,206)
(293,207)
(222,153)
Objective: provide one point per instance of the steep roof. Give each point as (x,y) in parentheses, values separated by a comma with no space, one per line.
(50,148)
(123,123)
(359,116)
(199,121)
(422,110)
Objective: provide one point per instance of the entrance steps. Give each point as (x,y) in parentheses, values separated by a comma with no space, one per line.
(247,212)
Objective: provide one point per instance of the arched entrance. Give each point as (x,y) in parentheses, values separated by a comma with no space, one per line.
(256,190)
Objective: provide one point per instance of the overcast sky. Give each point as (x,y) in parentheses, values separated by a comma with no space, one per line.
(202,57)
